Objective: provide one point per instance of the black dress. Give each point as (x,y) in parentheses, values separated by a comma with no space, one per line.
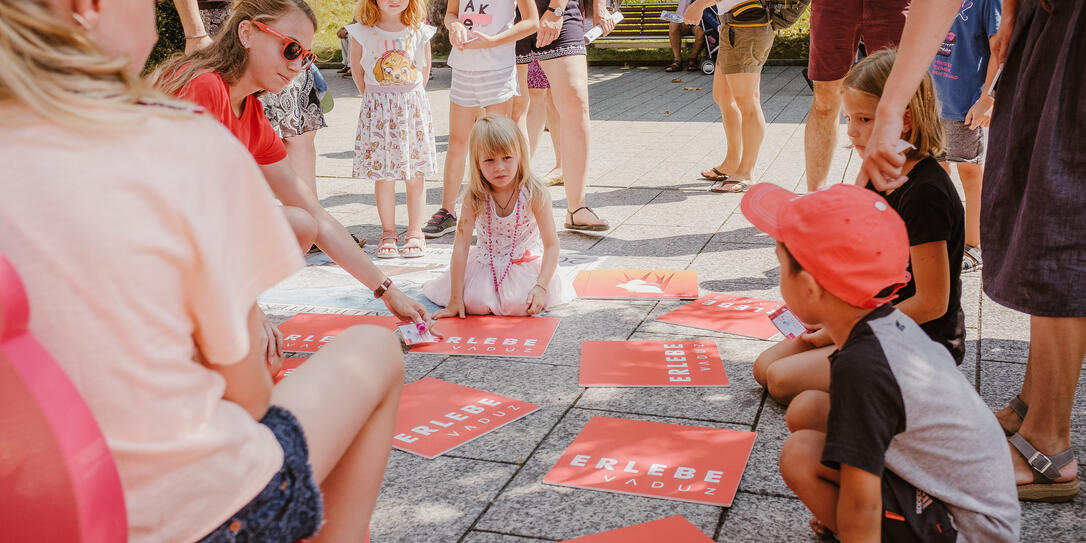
(1033,211)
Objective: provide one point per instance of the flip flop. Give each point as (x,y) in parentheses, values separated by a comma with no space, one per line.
(716,175)
(381,245)
(732,187)
(1046,469)
(573,225)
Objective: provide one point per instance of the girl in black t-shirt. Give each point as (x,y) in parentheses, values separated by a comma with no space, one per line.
(934,218)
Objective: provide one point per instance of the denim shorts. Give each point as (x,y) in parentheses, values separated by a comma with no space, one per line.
(290,507)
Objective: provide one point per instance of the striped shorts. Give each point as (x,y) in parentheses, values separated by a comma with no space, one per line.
(483,88)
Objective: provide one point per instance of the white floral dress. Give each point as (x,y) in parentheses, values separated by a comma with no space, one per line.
(517,252)
(395,138)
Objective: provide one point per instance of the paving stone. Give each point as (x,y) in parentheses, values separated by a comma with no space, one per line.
(700,211)
(660,240)
(490,537)
(553,388)
(1054,521)
(530,508)
(434,500)
(737,229)
(767,518)
(1005,333)
(763,474)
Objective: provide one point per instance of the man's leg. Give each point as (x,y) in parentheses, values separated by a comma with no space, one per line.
(820,134)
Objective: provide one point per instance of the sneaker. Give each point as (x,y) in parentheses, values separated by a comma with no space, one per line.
(440,223)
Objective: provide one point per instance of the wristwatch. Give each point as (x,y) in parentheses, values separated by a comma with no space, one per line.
(556,11)
(380,291)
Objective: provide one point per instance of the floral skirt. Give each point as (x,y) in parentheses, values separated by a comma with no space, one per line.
(395,138)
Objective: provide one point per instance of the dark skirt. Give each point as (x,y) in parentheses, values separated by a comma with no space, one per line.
(570,40)
(1033,210)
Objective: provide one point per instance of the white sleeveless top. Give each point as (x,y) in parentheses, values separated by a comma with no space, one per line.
(502,243)
(489,17)
(392,61)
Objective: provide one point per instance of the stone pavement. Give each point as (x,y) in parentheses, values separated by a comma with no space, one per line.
(650,137)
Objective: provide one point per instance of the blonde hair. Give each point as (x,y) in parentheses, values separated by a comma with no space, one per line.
(55,69)
(870,75)
(498,135)
(225,56)
(367,13)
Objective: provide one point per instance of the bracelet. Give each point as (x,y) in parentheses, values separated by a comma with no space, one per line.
(196,37)
(381,290)
(540,285)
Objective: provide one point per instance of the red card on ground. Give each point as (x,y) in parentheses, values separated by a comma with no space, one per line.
(308,332)
(489,335)
(437,416)
(654,459)
(727,313)
(636,284)
(674,529)
(651,364)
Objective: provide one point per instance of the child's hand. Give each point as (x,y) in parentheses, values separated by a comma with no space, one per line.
(459,35)
(537,299)
(480,40)
(817,338)
(454,309)
(981,112)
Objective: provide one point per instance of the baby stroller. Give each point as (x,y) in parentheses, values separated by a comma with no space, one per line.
(710,26)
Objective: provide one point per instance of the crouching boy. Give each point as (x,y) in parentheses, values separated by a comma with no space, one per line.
(902,448)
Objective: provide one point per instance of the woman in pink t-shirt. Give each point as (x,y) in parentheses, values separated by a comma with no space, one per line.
(262,47)
(143,235)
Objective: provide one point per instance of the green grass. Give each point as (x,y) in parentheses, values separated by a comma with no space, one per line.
(331,15)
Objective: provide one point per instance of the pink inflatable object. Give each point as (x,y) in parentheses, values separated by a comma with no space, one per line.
(58,481)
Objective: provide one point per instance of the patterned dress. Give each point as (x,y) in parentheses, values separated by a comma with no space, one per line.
(395,137)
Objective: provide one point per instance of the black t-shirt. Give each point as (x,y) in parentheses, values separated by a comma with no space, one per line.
(932,211)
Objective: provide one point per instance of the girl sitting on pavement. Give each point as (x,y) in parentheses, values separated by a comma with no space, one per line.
(512,271)
(262,47)
(144,234)
(934,218)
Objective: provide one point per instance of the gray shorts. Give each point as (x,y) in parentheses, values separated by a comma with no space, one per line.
(483,88)
(963,144)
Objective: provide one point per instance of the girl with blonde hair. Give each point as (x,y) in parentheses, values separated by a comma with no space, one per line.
(144,234)
(512,270)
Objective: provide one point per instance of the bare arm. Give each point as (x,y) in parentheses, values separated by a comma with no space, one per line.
(859,506)
(528,25)
(196,36)
(931,271)
(357,76)
(461,245)
(537,299)
(925,30)
(1002,39)
(248,381)
(980,114)
(428,67)
(335,241)
(458,33)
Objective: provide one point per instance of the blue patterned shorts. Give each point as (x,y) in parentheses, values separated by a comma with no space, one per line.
(290,508)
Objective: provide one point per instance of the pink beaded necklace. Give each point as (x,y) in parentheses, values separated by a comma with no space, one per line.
(490,241)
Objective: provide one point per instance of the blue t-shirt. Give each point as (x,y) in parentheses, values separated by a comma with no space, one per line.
(961,64)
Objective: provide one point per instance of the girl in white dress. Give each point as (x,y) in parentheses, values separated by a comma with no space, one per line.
(511,271)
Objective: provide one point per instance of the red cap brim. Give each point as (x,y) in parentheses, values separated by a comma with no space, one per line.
(761,206)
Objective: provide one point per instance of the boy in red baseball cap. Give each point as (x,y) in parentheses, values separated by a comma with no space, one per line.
(901,448)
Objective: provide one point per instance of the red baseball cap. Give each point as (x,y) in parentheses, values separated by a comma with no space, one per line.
(847,237)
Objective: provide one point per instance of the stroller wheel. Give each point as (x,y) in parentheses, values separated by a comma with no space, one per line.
(708,66)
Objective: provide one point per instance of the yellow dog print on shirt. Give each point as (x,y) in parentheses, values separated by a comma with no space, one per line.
(395,68)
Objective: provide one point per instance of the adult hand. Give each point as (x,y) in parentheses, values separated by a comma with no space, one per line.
(195,44)
(1002,40)
(273,353)
(882,164)
(603,18)
(692,15)
(480,40)
(404,307)
(550,26)
(459,35)
(537,298)
(981,113)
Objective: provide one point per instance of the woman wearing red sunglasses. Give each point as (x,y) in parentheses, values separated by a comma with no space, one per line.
(264,46)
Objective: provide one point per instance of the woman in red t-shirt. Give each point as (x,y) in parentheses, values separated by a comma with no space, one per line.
(262,48)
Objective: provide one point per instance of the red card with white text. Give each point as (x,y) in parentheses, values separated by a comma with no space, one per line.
(489,335)
(308,332)
(651,364)
(727,313)
(674,529)
(655,459)
(437,416)
(636,284)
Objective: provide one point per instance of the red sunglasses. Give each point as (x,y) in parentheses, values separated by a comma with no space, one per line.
(292,48)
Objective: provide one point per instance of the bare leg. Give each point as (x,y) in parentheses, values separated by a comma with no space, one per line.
(675,38)
(699,41)
(522,102)
(820,134)
(302,156)
(537,117)
(747,97)
(348,424)
(778,351)
(816,485)
(791,375)
(1056,349)
(303,224)
(554,127)
(416,207)
(733,124)
(461,120)
(569,87)
(971,175)
(810,410)
(385,194)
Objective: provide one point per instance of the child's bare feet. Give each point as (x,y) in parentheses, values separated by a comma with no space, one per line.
(821,529)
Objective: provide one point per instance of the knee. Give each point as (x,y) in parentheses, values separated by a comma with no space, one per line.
(827,101)
(798,454)
(804,411)
(380,356)
(762,364)
(780,384)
